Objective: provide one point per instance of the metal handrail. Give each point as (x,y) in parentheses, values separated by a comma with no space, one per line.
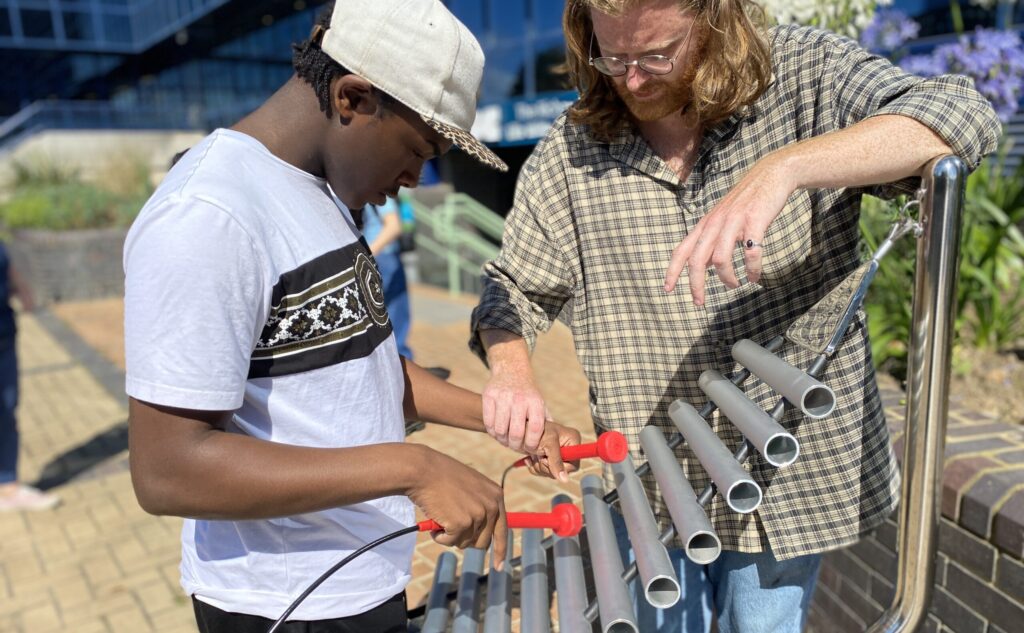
(17,120)
(931,342)
(456,226)
(464,207)
(98,115)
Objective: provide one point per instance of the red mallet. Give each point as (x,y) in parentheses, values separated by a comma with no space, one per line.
(565,519)
(611,447)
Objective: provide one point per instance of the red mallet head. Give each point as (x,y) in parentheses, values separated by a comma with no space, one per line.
(612,447)
(569,520)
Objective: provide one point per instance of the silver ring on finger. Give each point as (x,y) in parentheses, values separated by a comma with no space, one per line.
(752,244)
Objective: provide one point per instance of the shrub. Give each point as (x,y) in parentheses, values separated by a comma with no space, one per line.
(39,171)
(990,292)
(69,206)
(46,196)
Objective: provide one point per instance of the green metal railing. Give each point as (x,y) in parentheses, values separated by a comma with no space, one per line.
(461,232)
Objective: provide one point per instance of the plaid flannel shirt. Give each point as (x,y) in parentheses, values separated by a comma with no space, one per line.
(592,230)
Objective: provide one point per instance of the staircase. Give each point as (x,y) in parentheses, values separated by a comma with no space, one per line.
(454,238)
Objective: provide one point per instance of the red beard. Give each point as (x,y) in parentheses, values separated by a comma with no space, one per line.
(672,99)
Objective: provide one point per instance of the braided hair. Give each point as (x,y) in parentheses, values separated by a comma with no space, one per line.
(318,69)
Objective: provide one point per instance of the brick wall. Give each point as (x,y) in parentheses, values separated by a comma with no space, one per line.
(979,576)
(70,265)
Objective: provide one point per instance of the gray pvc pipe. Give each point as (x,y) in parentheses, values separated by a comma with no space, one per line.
(614,606)
(570,585)
(814,398)
(467,616)
(535,609)
(661,587)
(739,490)
(700,542)
(437,604)
(777,445)
(498,614)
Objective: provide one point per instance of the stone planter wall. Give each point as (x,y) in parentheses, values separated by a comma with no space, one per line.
(979,572)
(70,265)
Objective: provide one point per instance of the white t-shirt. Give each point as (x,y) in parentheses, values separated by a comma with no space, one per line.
(248,289)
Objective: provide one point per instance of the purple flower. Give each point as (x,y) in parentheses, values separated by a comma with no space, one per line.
(923,65)
(888,30)
(995,60)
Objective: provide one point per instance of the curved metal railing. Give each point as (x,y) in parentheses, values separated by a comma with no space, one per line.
(931,343)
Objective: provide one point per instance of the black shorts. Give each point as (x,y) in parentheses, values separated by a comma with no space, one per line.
(389,617)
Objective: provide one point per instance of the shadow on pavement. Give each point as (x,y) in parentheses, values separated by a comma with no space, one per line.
(103,454)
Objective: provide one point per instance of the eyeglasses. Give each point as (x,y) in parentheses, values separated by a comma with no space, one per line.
(652,64)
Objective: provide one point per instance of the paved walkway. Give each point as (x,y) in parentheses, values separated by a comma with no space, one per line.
(99,563)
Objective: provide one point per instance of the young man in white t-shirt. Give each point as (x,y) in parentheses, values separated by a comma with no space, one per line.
(267,396)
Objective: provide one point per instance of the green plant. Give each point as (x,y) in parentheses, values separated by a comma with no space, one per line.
(888,304)
(69,206)
(991,275)
(25,209)
(125,173)
(39,171)
(48,196)
(991,295)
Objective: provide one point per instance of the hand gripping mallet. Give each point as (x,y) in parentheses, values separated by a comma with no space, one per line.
(565,519)
(611,447)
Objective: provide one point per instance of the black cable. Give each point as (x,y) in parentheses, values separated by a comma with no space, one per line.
(327,574)
(504,475)
(365,548)
(419,610)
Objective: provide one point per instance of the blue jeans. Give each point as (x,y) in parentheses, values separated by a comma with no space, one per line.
(396,297)
(749,593)
(8,402)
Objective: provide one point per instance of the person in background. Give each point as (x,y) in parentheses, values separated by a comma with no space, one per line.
(382,228)
(13,494)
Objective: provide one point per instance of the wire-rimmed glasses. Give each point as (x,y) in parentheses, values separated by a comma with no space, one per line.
(652,64)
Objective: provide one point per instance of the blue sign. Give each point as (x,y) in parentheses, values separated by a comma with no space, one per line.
(520,121)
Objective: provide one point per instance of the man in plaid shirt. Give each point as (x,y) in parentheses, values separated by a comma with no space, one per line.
(704,143)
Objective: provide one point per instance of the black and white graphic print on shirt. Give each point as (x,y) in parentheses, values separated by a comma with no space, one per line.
(327,311)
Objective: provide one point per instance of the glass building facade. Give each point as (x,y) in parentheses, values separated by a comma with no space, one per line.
(181,63)
(203,63)
(199,64)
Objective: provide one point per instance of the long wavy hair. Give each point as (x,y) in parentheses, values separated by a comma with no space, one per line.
(733,71)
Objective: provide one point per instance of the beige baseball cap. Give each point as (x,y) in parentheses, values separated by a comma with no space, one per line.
(419,53)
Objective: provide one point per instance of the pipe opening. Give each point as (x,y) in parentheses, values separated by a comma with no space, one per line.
(662,592)
(818,401)
(621,626)
(781,450)
(703,548)
(744,496)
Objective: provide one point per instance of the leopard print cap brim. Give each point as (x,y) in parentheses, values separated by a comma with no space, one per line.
(468,143)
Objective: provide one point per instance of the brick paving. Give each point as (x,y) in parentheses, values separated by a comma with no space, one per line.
(98,563)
